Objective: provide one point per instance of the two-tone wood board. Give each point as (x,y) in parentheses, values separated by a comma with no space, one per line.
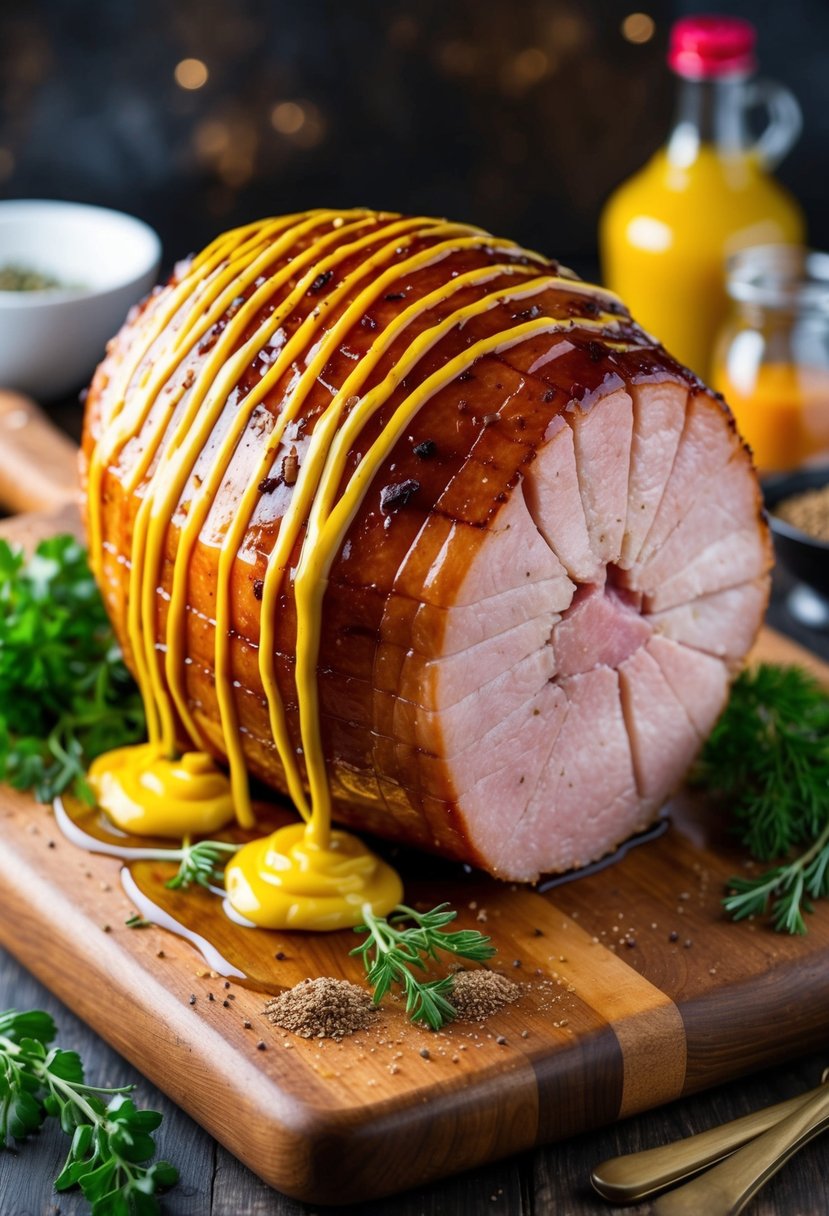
(634,991)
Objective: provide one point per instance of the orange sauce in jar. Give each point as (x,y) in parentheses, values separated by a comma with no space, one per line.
(772,360)
(782,412)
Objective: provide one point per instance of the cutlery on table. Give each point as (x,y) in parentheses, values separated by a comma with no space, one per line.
(636,1176)
(728,1187)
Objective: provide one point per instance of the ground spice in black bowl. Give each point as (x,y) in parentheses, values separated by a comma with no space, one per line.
(808,511)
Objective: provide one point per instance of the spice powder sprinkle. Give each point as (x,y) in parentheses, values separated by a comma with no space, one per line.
(476,995)
(323,1008)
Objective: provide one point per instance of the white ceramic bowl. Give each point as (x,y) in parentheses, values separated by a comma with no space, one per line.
(51,340)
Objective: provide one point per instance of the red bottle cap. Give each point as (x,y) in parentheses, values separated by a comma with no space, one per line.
(707,47)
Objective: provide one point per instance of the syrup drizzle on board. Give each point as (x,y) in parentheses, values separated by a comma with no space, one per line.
(245,954)
(203,917)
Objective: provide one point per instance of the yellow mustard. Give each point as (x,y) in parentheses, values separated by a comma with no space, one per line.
(305,875)
(147,793)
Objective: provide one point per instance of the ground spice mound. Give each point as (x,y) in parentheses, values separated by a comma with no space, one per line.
(808,511)
(476,995)
(324,1008)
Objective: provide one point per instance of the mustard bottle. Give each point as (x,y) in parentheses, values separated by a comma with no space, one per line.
(666,233)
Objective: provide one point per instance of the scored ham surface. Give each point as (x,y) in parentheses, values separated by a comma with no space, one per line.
(534,618)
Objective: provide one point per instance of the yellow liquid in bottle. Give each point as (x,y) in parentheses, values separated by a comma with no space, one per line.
(666,233)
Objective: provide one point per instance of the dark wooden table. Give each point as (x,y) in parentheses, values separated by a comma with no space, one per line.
(553,1179)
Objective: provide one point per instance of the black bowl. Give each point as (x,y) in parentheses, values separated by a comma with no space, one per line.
(805,558)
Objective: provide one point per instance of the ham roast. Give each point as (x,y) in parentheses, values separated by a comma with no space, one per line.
(533,620)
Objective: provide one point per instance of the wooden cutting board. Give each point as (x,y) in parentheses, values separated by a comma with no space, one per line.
(634,991)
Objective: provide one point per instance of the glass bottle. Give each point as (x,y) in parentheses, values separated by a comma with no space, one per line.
(665,234)
(771,361)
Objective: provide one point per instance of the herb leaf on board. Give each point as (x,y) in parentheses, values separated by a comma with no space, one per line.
(399,946)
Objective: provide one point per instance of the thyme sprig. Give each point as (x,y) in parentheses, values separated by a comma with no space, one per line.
(404,943)
(769,757)
(111,1137)
(199,863)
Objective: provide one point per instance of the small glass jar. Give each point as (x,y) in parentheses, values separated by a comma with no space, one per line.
(771,361)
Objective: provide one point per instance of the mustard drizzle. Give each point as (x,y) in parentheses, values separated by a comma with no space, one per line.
(112,438)
(198,431)
(291,523)
(219,275)
(217,380)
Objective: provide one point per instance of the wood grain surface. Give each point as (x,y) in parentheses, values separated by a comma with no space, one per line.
(550,1181)
(38,462)
(620,1013)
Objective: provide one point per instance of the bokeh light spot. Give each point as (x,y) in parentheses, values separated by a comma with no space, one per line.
(638,27)
(191,74)
(525,69)
(288,117)
(300,121)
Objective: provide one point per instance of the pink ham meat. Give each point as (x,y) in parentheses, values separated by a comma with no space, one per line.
(520,661)
(608,660)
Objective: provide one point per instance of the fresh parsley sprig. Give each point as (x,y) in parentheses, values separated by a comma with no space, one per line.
(65,694)
(111,1137)
(393,953)
(769,757)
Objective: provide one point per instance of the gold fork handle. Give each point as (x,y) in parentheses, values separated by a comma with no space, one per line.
(635,1176)
(728,1187)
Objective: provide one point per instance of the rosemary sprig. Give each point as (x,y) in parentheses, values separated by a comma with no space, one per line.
(769,756)
(787,889)
(392,954)
(111,1140)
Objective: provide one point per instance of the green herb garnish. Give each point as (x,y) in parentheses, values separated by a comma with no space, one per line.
(199,863)
(769,756)
(111,1137)
(391,954)
(65,694)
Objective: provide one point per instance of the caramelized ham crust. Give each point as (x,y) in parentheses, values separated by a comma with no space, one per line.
(533,620)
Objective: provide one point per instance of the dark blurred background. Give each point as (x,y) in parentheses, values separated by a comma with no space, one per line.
(519,115)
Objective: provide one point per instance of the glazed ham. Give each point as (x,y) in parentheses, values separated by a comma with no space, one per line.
(532,621)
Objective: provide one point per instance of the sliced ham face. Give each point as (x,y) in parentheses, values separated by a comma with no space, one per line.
(523,654)
(639,686)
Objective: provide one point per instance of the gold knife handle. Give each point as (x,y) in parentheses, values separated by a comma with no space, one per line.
(728,1187)
(635,1176)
